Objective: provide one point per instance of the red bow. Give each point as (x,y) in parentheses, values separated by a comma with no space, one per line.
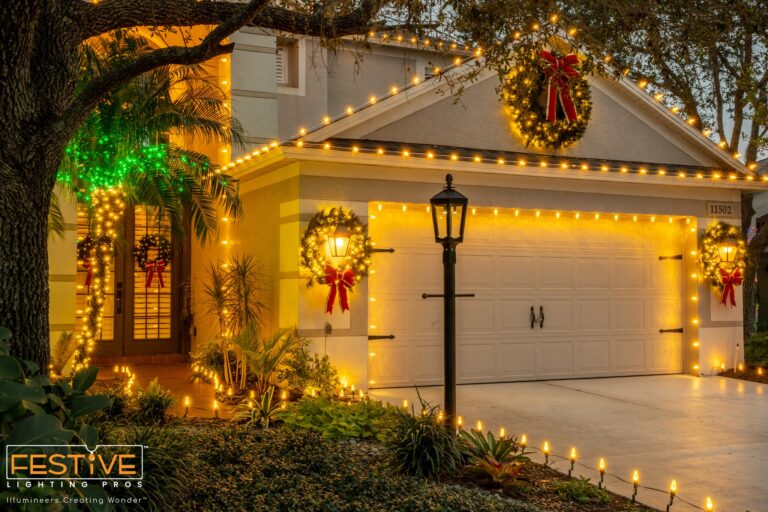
(152,267)
(559,73)
(729,281)
(89,276)
(340,281)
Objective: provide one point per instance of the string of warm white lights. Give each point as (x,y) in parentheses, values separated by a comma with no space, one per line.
(634,481)
(476,54)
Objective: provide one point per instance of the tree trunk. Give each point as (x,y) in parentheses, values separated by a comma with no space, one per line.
(749,288)
(24,262)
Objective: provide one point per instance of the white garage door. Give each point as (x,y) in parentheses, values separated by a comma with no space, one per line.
(599,281)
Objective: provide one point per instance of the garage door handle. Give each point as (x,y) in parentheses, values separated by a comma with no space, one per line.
(541,317)
(533,317)
(665,331)
(381,337)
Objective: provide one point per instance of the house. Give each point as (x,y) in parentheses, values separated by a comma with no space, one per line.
(583,261)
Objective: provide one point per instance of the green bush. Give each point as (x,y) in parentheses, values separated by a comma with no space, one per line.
(756,350)
(168,465)
(338,420)
(37,411)
(153,403)
(581,490)
(262,412)
(303,371)
(420,444)
(495,459)
(291,470)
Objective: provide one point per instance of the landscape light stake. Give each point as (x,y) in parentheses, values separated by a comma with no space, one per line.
(523,444)
(573,461)
(672,493)
(635,481)
(601,468)
(186,406)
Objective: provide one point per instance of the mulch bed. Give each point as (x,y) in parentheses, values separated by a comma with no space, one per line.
(541,485)
(750,374)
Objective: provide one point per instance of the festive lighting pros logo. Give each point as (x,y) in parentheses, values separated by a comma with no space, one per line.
(109,466)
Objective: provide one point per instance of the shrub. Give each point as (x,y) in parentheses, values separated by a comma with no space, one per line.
(478,446)
(297,469)
(168,465)
(756,350)
(262,412)
(303,371)
(581,491)
(264,356)
(338,420)
(153,403)
(420,444)
(210,357)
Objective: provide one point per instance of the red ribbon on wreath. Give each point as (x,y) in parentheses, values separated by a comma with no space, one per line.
(730,279)
(559,73)
(339,282)
(155,267)
(89,276)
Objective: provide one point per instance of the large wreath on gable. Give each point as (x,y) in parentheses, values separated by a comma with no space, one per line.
(724,275)
(341,275)
(550,100)
(153,266)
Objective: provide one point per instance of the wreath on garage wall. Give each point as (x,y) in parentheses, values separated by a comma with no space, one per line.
(153,266)
(341,275)
(723,274)
(550,100)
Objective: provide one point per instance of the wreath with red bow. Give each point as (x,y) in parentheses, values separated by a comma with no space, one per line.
(340,276)
(724,275)
(153,267)
(550,100)
(85,247)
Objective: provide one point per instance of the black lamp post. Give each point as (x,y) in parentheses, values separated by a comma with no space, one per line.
(449,213)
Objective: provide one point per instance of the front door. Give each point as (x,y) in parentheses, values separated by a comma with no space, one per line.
(141,315)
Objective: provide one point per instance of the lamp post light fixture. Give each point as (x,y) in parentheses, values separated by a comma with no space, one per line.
(449,213)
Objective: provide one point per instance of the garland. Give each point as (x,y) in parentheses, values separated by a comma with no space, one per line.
(158,264)
(85,247)
(724,275)
(550,100)
(314,257)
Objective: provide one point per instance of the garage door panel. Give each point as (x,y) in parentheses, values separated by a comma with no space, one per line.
(628,273)
(594,315)
(427,365)
(514,316)
(629,355)
(390,366)
(424,271)
(591,233)
(554,272)
(513,230)
(475,316)
(426,316)
(666,313)
(629,314)
(558,314)
(517,360)
(629,236)
(666,352)
(475,273)
(665,275)
(391,314)
(593,273)
(554,358)
(514,272)
(397,269)
(476,361)
(593,356)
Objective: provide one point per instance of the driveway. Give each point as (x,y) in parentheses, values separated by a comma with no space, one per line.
(707,433)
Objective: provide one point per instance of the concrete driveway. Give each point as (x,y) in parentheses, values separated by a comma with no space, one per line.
(707,433)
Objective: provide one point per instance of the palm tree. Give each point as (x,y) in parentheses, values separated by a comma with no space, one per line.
(125,154)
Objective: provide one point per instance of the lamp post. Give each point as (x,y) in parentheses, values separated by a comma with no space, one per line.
(449,213)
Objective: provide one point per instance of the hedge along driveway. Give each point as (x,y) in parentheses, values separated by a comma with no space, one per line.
(707,433)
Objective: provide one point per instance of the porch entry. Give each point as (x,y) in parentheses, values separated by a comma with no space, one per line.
(557,295)
(139,317)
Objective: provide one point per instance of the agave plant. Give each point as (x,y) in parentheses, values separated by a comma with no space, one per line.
(478,445)
(263,411)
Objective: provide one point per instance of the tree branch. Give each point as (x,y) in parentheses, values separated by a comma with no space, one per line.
(117,14)
(208,48)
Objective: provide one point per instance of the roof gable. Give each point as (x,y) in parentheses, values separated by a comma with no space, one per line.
(626,125)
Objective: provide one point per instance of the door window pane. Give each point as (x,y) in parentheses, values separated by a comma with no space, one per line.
(151,305)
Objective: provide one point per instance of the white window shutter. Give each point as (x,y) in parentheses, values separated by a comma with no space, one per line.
(281,65)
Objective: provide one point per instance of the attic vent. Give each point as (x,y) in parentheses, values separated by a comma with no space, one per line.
(281,65)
